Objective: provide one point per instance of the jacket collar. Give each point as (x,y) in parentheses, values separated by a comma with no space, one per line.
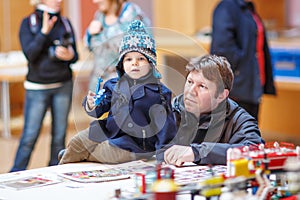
(241,3)
(212,123)
(148,81)
(43,7)
(213,118)
(133,88)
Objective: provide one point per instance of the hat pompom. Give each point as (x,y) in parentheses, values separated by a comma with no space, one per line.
(136,26)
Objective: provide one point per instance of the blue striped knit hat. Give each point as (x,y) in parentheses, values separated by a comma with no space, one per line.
(138,39)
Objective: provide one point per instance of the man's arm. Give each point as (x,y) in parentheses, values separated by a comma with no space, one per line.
(241,130)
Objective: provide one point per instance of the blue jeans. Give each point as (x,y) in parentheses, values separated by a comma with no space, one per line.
(36,104)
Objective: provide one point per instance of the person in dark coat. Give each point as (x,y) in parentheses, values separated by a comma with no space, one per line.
(239,35)
(48,43)
(140,120)
(209,122)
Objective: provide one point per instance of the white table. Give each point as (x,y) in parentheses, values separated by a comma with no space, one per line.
(63,190)
(70,189)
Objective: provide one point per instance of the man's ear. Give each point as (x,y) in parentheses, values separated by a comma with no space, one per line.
(223,95)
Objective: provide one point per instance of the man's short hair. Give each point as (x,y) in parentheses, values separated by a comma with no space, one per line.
(214,68)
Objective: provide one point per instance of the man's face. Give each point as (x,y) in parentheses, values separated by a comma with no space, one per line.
(199,94)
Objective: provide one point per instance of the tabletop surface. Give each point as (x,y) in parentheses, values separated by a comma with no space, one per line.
(67,189)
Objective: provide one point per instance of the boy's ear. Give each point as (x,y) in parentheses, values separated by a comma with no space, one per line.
(223,95)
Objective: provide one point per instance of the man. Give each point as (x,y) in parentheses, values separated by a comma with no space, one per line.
(210,122)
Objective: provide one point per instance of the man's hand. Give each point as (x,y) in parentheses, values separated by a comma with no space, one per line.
(178,155)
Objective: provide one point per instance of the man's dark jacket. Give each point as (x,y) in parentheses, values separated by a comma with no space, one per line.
(225,127)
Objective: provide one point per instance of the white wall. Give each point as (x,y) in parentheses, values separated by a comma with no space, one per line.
(293,12)
(147,6)
(72,8)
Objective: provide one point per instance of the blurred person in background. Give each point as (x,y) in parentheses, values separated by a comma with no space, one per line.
(48,43)
(104,34)
(238,34)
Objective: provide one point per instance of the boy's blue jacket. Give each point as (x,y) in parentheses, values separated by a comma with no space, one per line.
(137,121)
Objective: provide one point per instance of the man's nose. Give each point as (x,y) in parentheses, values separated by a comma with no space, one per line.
(193,89)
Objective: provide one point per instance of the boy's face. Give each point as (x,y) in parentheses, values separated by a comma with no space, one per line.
(199,94)
(136,65)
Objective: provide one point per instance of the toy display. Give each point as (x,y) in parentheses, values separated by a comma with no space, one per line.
(263,172)
(275,152)
(292,166)
(164,187)
(188,175)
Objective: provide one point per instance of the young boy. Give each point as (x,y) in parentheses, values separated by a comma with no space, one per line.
(140,121)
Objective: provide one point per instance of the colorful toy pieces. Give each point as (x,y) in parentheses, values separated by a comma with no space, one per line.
(264,167)
(99,92)
(268,171)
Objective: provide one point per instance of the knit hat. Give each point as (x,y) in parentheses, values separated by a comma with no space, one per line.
(138,39)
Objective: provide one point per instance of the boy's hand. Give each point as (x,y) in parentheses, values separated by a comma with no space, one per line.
(91,100)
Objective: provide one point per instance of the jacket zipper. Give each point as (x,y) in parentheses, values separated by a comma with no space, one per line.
(144,137)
